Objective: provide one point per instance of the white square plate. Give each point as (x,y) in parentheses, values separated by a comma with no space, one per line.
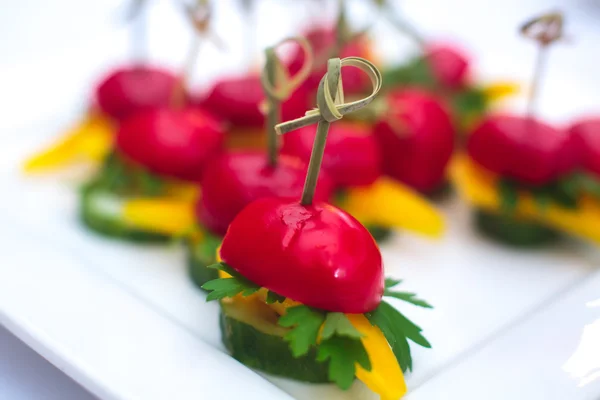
(125,322)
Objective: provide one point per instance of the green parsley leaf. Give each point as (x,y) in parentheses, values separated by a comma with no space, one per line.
(397,329)
(471,101)
(408,297)
(228,287)
(416,72)
(390,282)
(343,353)
(509,195)
(338,324)
(273,297)
(305,323)
(542,198)
(206,249)
(589,184)
(150,184)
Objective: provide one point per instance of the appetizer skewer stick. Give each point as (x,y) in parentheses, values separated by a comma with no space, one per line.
(519,171)
(322,317)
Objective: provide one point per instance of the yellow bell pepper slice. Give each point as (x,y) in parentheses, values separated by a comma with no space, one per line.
(91,139)
(169,216)
(500,90)
(393,205)
(246,138)
(183,190)
(385,377)
(479,187)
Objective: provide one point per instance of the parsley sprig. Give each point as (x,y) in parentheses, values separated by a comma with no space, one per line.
(337,341)
(228,287)
(396,328)
(564,192)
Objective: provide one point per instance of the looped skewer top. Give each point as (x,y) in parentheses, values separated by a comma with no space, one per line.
(330,108)
(545,29)
(330,95)
(279,86)
(284,84)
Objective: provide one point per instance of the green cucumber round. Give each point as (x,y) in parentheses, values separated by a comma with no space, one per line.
(198,258)
(514,231)
(255,339)
(100,210)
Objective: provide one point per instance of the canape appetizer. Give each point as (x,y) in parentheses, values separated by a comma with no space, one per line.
(446,69)
(157,151)
(518,171)
(121,94)
(302,284)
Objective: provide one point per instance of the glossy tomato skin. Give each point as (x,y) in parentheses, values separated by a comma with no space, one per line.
(128,90)
(317,255)
(586,133)
(238,178)
(170,142)
(322,39)
(522,148)
(416,138)
(450,65)
(352,156)
(237,100)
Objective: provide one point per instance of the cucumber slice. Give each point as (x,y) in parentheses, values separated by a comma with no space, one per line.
(100,210)
(379,233)
(199,256)
(250,332)
(514,232)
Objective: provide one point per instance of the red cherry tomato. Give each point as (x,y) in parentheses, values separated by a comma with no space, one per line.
(416,139)
(317,255)
(525,149)
(238,178)
(586,133)
(135,88)
(237,100)
(175,143)
(352,156)
(449,65)
(322,41)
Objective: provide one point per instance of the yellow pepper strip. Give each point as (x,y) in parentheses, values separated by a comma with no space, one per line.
(393,205)
(386,377)
(183,190)
(246,138)
(500,90)
(479,187)
(91,139)
(169,216)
